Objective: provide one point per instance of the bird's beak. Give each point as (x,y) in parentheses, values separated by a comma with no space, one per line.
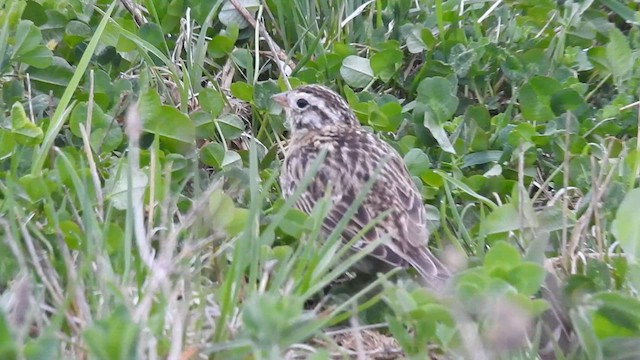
(281,99)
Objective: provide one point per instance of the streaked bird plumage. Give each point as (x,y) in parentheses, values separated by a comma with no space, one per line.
(321,120)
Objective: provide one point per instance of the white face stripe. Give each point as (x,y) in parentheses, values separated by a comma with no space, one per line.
(324,108)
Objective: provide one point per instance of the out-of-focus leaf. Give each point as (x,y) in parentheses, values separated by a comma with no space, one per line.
(626,227)
(356,71)
(25,132)
(501,255)
(535,98)
(164,120)
(229,15)
(439,95)
(619,56)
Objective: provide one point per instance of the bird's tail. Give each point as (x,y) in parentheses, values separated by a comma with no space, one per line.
(433,273)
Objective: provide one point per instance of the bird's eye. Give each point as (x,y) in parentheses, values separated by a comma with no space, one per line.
(302,103)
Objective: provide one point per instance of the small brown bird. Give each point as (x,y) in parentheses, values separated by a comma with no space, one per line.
(320,120)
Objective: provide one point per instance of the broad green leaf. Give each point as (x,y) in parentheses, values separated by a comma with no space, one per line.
(221,209)
(242,91)
(272,319)
(104,91)
(40,57)
(25,132)
(72,234)
(527,278)
(427,38)
(633,273)
(480,115)
(7,143)
(551,218)
(386,62)
(12,91)
(123,43)
(231,158)
(621,310)
(417,162)
(535,98)
(481,157)
(426,320)
(238,221)
(205,126)
(230,125)
(607,324)
(439,95)
(56,76)
(414,41)
(165,121)
(171,17)
(504,218)
(502,255)
(106,139)
(212,155)
(471,283)
(438,132)
(523,132)
(356,71)
(566,100)
(35,187)
(495,170)
(79,115)
(152,33)
(28,37)
(262,93)
(76,32)
(220,46)
(619,56)
(113,236)
(462,58)
(229,15)
(578,57)
(393,112)
(597,56)
(118,191)
(244,59)
(626,227)
(378,119)
(211,101)
(35,12)
(534,61)
(293,223)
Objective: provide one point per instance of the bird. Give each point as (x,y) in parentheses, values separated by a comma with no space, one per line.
(321,122)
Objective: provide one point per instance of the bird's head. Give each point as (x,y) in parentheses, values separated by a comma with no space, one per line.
(312,107)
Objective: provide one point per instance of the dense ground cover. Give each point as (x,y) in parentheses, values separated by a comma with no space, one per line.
(140,214)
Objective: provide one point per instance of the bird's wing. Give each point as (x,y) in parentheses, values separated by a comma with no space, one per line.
(337,179)
(408,219)
(340,175)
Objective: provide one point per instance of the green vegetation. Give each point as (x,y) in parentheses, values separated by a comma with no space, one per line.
(140,214)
